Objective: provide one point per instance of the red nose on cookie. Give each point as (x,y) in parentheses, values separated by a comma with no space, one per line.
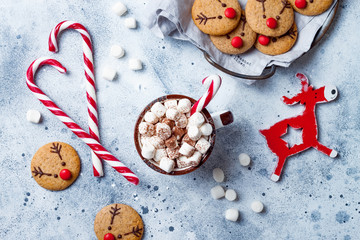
(237,42)
(300,3)
(230,13)
(264,40)
(65,174)
(109,236)
(271,23)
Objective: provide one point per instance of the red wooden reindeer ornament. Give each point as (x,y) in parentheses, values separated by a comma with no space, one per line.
(309,97)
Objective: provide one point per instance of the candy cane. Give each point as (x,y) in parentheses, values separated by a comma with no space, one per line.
(90,83)
(214,83)
(91,141)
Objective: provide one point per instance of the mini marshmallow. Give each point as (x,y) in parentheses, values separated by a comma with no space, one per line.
(184,105)
(194,133)
(218,175)
(148,151)
(159,154)
(119,8)
(169,122)
(173,114)
(167,164)
(230,194)
(135,64)
(232,214)
(117,51)
(187,139)
(150,117)
(33,116)
(195,159)
(156,142)
(197,119)
(206,129)
(130,22)
(170,104)
(171,142)
(186,149)
(173,153)
(257,206)
(144,140)
(217,192)
(158,109)
(108,73)
(183,162)
(182,121)
(244,159)
(163,131)
(146,129)
(202,145)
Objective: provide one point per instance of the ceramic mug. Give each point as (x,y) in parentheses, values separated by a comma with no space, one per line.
(216,120)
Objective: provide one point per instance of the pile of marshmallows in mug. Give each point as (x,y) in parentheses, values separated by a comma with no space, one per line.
(171,137)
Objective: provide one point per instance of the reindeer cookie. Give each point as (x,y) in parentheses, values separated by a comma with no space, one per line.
(55,166)
(311,7)
(277,45)
(269,17)
(216,17)
(118,221)
(241,39)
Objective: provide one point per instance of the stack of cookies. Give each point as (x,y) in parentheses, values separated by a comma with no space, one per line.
(267,24)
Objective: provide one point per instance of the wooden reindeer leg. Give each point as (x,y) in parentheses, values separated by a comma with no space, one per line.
(330,152)
(276,174)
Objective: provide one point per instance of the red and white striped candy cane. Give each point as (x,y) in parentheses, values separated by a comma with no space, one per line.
(214,83)
(90,82)
(93,143)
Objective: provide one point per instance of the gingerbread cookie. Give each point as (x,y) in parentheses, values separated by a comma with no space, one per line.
(216,17)
(241,39)
(311,7)
(269,17)
(55,166)
(118,221)
(277,45)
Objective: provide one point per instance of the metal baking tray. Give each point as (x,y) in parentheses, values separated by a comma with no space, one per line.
(270,71)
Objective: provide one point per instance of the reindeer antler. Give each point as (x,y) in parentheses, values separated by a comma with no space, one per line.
(298,98)
(304,81)
(114,212)
(56,148)
(136,231)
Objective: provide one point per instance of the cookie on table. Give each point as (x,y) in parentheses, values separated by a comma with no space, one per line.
(311,7)
(118,221)
(216,17)
(277,45)
(55,166)
(241,39)
(269,17)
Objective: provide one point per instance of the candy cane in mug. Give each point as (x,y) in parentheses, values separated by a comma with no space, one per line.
(92,142)
(90,82)
(214,83)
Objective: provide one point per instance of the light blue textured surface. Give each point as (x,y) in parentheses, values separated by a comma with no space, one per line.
(317,198)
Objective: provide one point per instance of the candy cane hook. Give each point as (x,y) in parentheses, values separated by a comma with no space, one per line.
(90,81)
(92,142)
(214,83)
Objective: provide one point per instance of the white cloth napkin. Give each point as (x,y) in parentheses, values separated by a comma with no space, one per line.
(173,18)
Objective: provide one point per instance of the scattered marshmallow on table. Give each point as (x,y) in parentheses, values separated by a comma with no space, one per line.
(117,51)
(184,105)
(186,149)
(108,73)
(232,214)
(150,117)
(173,114)
(135,64)
(206,129)
(33,116)
(119,8)
(230,194)
(148,151)
(257,206)
(202,145)
(218,175)
(167,164)
(130,22)
(217,192)
(244,159)
(197,119)
(158,109)
(194,133)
